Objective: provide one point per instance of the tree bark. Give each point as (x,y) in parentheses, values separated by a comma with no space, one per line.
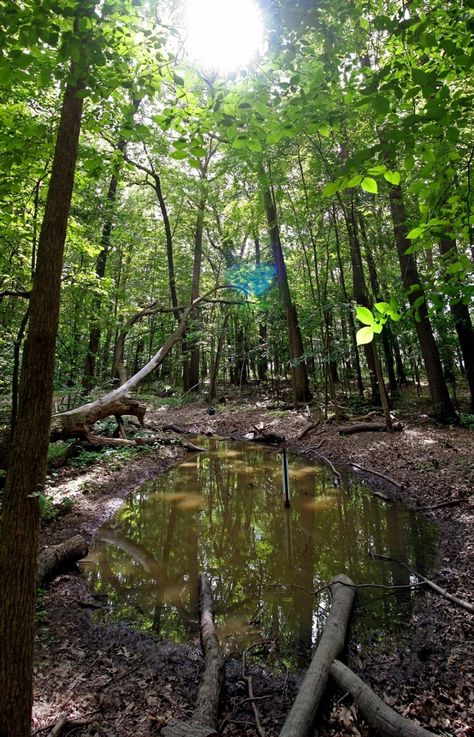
(381,717)
(203,722)
(359,288)
(57,557)
(299,374)
(443,408)
(463,324)
(301,718)
(20,523)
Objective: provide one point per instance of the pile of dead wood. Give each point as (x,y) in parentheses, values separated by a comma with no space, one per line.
(324,665)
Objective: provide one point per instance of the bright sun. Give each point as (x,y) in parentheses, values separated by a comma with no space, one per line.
(223,35)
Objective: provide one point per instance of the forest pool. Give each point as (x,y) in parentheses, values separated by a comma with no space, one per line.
(222,512)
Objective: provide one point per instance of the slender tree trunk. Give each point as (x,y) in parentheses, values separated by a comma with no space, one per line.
(262,360)
(299,374)
(191,372)
(442,405)
(463,325)
(352,330)
(20,522)
(360,289)
(16,369)
(375,286)
(101,263)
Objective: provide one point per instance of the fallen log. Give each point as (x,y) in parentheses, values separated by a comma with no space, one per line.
(302,715)
(79,422)
(381,717)
(368,427)
(308,429)
(56,558)
(203,722)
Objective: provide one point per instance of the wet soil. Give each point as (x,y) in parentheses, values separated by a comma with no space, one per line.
(123,683)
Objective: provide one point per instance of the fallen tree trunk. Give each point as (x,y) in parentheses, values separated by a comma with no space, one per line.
(381,717)
(56,558)
(302,715)
(368,427)
(203,722)
(79,422)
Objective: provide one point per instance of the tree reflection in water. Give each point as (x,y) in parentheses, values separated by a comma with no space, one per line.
(223,512)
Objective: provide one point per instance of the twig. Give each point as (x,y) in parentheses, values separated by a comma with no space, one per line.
(376,473)
(326,460)
(248,680)
(451,503)
(125,674)
(451,597)
(63,720)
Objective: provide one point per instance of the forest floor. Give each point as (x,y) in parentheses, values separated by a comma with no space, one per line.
(124,683)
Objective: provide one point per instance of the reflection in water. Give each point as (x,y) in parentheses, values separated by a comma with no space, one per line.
(223,512)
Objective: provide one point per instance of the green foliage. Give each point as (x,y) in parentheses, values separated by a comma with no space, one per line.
(467,420)
(50,511)
(375,320)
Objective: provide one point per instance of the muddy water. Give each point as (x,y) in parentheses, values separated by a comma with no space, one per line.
(223,512)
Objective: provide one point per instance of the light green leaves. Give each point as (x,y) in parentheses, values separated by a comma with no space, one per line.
(392,177)
(374,321)
(364,336)
(369,185)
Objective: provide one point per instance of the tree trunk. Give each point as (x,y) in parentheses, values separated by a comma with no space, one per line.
(203,722)
(352,330)
(20,523)
(374,283)
(463,324)
(299,374)
(191,373)
(101,263)
(381,717)
(360,289)
(79,421)
(443,408)
(301,718)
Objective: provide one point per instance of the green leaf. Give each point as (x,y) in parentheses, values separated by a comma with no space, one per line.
(382,307)
(331,188)
(393,177)
(364,336)
(365,315)
(254,145)
(415,233)
(381,104)
(355,180)
(370,185)
(274,137)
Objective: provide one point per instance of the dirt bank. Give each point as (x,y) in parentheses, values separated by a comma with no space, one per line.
(126,683)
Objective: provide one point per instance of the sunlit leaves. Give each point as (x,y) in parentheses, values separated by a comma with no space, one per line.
(369,185)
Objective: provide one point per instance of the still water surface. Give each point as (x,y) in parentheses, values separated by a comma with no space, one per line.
(222,512)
